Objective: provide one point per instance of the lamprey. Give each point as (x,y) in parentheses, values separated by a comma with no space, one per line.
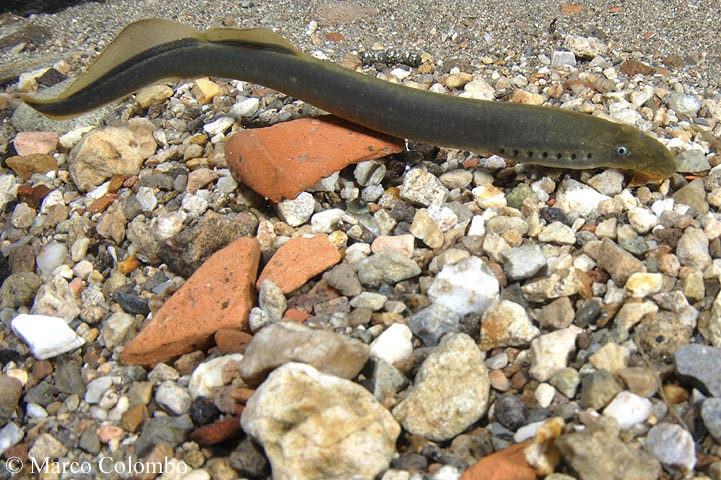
(149,51)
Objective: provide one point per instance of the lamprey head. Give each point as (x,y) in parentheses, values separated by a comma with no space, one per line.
(648,159)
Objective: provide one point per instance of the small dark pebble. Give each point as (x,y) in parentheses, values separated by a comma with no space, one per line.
(89,441)
(131,303)
(8,355)
(203,411)
(169,430)
(410,462)
(50,77)
(161,181)
(553,214)
(68,379)
(44,393)
(511,412)
(249,460)
(588,313)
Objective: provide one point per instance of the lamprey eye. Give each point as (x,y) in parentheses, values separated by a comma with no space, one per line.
(621,151)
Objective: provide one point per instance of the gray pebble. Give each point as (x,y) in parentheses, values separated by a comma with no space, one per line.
(10,435)
(96,388)
(698,365)
(598,389)
(711,416)
(343,278)
(173,398)
(387,266)
(522,262)
(169,430)
(19,290)
(89,441)
(434,321)
(672,445)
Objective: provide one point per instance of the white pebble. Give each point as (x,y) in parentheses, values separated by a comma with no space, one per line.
(146,199)
(544,394)
(468,286)
(393,345)
(628,409)
(246,108)
(209,375)
(298,211)
(218,126)
(46,336)
(96,388)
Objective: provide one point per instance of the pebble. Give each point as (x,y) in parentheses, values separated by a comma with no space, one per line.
(557,232)
(468,286)
(608,182)
(563,57)
(168,430)
(172,398)
(10,435)
(598,389)
(403,243)
(108,151)
(642,220)
(434,321)
(219,126)
(11,389)
(644,284)
(550,352)
(387,266)
(683,104)
(426,230)
(19,289)
(506,324)
(422,188)
(611,356)
(297,211)
(153,95)
(46,336)
(284,342)
(47,446)
(697,365)
(628,409)
(693,249)
(566,381)
(51,256)
(523,262)
(711,416)
(672,445)
(393,345)
(450,391)
(619,263)
(598,454)
(341,431)
(245,108)
(577,198)
(693,161)
(208,376)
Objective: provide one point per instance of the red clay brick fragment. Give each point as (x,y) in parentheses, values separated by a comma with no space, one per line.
(218,295)
(298,260)
(216,432)
(283,160)
(507,464)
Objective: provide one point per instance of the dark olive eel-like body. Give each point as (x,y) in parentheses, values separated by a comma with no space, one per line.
(152,50)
